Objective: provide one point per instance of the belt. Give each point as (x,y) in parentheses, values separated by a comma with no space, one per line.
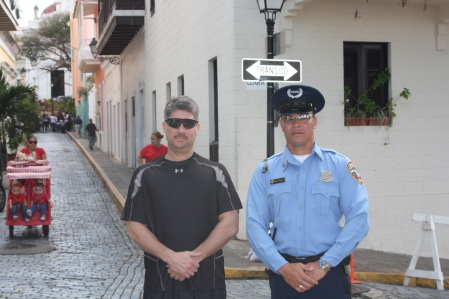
(306,260)
(303,260)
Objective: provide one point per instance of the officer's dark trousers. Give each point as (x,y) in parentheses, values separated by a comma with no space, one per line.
(335,285)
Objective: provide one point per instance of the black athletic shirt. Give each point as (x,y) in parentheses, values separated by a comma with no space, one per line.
(180,203)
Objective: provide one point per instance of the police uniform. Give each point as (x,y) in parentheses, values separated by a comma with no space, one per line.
(305,202)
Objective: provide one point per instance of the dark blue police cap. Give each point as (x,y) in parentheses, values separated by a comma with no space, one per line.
(297,99)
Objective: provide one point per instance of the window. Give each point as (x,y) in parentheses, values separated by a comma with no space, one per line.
(181,85)
(152,7)
(362,64)
(168,91)
(154,114)
(213,110)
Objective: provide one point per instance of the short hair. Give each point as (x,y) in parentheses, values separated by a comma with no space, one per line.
(39,185)
(15,186)
(181,103)
(157,134)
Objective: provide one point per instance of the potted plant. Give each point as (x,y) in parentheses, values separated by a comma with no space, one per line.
(363,111)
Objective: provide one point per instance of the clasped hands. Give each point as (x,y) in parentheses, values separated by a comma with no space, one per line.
(302,277)
(183,265)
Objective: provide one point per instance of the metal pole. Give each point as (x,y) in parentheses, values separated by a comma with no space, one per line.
(270,91)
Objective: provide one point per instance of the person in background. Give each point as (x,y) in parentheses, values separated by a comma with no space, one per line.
(53,121)
(78,125)
(32,149)
(17,202)
(153,150)
(39,201)
(44,123)
(91,130)
(305,191)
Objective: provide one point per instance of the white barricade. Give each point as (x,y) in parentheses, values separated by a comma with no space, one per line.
(428,227)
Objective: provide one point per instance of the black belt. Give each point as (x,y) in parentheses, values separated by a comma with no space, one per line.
(306,260)
(303,260)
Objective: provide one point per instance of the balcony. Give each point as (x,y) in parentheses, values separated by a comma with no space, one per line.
(86,62)
(118,23)
(7,20)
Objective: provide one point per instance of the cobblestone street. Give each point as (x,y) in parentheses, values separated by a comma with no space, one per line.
(94,257)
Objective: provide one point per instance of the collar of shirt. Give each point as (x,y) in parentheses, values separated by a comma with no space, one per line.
(287,156)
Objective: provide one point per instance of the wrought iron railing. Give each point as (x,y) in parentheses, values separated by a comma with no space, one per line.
(108,6)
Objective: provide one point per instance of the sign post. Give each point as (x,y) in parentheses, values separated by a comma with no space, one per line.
(271,70)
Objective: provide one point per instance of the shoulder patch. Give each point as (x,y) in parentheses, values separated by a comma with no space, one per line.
(354,173)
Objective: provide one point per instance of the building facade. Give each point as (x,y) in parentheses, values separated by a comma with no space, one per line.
(196,48)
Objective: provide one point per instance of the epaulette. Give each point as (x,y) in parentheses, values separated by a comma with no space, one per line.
(265,166)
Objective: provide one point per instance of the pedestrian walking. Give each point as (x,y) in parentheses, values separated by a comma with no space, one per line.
(78,125)
(304,191)
(91,130)
(53,121)
(153,150)
(181,210)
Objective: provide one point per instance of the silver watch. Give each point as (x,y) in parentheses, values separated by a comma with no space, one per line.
(323,265)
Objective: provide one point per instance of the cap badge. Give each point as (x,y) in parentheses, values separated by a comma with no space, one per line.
(294,94)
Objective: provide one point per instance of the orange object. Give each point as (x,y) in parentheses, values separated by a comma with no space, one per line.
(351,274)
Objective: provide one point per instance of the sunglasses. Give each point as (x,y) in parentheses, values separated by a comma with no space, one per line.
(32,142)
(186,122)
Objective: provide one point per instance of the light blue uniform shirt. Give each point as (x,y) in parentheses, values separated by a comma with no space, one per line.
(305,202)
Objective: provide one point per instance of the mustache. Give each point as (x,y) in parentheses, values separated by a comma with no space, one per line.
(180,135)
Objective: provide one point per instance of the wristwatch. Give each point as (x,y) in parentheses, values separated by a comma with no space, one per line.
(323,265)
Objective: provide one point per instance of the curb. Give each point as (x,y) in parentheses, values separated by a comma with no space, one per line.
(245,273)
(119,200)
(398,279)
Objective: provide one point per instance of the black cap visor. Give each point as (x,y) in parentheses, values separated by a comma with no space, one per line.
(296,106)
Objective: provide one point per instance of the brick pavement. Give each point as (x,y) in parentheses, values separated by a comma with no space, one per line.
(94,257)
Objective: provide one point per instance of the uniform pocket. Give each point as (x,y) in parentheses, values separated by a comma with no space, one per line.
(280,195)
(323,194)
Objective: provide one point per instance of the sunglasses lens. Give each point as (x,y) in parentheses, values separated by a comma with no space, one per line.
(189,123)
(176,122)
(32,142)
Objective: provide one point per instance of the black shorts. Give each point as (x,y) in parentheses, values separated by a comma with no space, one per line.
(199,294)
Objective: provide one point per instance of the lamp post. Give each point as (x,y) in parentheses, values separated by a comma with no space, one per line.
(269,8)
(94,50)
(23,71)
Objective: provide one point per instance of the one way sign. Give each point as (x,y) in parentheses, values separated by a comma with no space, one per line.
(271,70)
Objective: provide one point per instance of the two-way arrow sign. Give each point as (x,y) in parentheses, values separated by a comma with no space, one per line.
(271,70)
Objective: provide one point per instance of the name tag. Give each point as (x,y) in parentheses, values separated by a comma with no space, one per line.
(277,181)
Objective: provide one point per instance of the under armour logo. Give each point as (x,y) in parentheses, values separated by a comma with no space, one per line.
(178,170)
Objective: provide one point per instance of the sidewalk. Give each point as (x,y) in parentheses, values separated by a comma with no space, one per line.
(370,265)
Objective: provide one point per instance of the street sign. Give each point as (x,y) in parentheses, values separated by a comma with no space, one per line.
(271,70)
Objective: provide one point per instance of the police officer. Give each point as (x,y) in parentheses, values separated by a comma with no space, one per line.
(304,191)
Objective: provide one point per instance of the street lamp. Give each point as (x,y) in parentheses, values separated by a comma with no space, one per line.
(23,71)
(94,50)
(33,61)
(269,8)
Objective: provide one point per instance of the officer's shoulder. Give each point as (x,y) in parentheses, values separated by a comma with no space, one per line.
(271,159)
(334,154)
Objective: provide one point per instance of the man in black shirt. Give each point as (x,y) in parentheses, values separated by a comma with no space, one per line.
(181,210)
(91,130)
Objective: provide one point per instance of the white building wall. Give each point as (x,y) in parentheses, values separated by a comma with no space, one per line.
(111,138)
(407,175)
(133,81)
